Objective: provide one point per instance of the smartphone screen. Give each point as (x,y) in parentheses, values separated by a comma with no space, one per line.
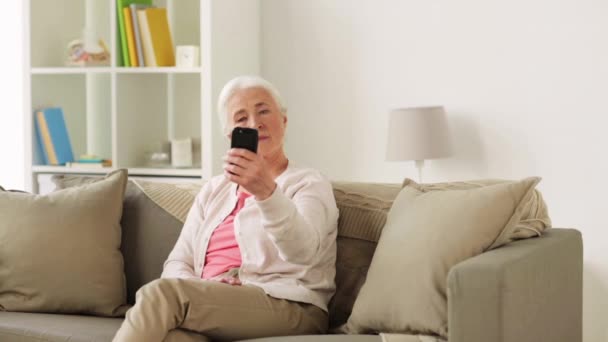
(243,137)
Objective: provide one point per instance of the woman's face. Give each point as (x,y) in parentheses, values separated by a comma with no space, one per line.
(255,108)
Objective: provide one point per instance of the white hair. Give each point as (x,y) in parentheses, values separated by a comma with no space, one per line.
(245,82)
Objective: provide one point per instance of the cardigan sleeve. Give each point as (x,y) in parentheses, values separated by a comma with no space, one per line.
(298,224)
(180,263)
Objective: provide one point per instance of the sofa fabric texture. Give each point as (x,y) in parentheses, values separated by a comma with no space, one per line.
(38,327)
(60,252)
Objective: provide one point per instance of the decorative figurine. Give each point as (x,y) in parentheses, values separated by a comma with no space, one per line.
(88,51)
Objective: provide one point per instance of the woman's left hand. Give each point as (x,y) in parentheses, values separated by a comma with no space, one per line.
(230,281)
(249,170)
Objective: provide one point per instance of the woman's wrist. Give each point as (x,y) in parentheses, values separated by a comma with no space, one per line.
(269,191)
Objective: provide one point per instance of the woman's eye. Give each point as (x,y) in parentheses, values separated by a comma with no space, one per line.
(264,111)
(241,119)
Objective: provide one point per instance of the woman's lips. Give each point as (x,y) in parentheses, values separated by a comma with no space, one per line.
(263,138)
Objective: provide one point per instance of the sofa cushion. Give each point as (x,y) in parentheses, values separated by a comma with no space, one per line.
(363,208)
(427,233)
(149,231)
(534,219)
(320,338)
(64,251)
(37,327)
(348,338)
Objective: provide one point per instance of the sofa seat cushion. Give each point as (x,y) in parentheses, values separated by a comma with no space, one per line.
(35,327)
(19,326)
(349,338)
(320,338)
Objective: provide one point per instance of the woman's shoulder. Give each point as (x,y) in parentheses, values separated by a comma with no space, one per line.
(307,181)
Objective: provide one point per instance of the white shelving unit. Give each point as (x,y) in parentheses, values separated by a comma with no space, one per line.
(119,70)
(123,113)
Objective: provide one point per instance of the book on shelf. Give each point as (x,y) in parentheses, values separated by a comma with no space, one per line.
(146,39)
(53,137)
(133,60)
(137,33)
(156,37)
(123,56)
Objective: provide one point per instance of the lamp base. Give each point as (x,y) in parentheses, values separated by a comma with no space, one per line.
(419,166)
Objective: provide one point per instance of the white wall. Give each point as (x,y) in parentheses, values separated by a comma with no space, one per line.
(11,96)
(525,85)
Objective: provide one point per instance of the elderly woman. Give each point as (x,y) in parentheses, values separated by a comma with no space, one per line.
(256,256)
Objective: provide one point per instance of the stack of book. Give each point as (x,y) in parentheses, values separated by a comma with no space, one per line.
(90,162)
(145,36)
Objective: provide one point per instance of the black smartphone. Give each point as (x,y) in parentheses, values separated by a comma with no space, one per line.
(243,137)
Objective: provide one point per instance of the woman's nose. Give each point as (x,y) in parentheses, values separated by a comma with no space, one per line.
(254,123)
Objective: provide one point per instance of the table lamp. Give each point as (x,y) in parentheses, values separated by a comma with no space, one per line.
(418,133)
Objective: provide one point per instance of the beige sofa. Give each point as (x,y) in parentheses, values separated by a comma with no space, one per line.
(528,290)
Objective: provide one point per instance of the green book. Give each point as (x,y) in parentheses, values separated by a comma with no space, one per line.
(123,56)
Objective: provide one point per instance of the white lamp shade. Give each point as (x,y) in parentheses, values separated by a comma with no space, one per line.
(417,134)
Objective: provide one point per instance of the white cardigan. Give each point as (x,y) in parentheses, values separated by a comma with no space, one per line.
(287,241)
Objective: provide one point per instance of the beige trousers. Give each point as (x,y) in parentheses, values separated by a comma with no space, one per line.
(217,310)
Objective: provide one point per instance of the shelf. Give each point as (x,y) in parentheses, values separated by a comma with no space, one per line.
(165,172)
(157,70)
(69,70)
(64,169)
(119,70)
(126,113)
(137,171)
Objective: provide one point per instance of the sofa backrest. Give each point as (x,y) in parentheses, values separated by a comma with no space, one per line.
(149,233)
(363,208)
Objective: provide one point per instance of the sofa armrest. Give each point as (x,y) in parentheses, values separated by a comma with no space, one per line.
(528,290)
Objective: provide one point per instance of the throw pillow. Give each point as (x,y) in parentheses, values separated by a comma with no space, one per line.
(60,252)
(426,233)
(534,219)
